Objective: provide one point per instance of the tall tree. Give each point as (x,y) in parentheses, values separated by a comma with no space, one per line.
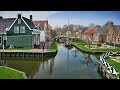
(53,34)
(114,37)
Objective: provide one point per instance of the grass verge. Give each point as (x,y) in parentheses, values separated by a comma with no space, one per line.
(115,64)
(81,45)
(53,47)
(6,73)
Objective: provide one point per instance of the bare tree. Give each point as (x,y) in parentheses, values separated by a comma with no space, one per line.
(91,25)
(114,36)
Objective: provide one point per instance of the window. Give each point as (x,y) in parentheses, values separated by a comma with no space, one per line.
(22,29)
(118,40)
(19,21)
(16,29)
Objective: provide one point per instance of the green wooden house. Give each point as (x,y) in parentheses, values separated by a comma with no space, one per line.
(23,33)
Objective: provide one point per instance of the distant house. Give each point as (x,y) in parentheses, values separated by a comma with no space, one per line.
(45,29)
(20,32)
(68,34)
(88,34)
(5,23)
(96,34)
(77,33)
(100,35)
(113,34)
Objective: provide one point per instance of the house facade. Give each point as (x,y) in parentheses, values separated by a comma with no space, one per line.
(21,32)
(96,35)
(113,34)
(88,34)
(45,29)
(4,25)
(100,35)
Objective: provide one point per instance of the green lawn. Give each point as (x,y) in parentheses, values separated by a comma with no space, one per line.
(115,64)
(6,73)
(53,47)
(81,45)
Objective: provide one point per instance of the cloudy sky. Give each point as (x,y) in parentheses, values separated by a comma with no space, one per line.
(59,18)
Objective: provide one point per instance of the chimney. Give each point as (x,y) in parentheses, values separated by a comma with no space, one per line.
(1,17)
(31,17)
(19,15)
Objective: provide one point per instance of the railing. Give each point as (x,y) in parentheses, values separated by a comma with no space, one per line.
(111,69)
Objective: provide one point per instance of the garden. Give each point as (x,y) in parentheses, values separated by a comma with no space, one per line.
(103,47)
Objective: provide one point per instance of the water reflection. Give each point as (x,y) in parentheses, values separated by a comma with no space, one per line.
(69,63)
(27,65)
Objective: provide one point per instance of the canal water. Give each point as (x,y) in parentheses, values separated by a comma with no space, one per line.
(69,63)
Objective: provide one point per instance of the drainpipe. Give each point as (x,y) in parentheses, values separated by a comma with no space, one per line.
(2,37)
(3,42)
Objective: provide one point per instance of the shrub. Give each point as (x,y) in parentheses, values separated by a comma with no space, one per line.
(98,44)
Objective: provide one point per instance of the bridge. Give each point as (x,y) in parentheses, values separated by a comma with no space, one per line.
(63,38)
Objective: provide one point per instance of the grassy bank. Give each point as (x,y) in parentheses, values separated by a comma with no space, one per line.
(81,45)
(6,73)
(53,47)
(115,64)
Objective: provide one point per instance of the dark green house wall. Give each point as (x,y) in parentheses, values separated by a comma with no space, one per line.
(19,39)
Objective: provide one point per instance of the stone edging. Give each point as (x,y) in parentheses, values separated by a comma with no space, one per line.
(87,51)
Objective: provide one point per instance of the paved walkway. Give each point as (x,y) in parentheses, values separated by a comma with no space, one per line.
(31,50)
(116,58)
(39,49)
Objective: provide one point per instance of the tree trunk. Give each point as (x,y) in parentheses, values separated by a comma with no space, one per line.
(89,43)
(114,42)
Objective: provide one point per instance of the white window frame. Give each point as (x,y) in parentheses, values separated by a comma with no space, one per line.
(16,29)
(4,37)
(19,21)
(22,29)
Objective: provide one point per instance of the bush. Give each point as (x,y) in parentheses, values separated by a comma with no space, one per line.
(99,45)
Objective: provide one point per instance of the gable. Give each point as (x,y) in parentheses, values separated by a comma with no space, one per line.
(10,32)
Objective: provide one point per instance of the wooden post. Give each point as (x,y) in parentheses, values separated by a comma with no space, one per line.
(18,54)
(28,54)
(34,55)
(42,55)
(10,54)
(15,54)
(23,54)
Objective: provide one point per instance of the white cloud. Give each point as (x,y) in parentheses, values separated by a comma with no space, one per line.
(37,15)
(78,21)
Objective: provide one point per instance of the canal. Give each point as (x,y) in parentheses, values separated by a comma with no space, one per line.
(69,63)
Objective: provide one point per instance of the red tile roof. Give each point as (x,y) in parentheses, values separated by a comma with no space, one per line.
(41,21)
(90,31)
